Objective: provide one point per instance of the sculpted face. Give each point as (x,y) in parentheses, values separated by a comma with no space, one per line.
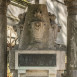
(37,31)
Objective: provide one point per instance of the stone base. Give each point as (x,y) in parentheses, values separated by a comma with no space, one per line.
(60,59)
(59,73)
(15,73)
(37,73)
(41,71)
(74,73)
(71,73)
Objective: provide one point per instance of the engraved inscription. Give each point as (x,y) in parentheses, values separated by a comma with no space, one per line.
(37,60)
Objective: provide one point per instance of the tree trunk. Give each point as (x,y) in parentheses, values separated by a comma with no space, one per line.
(72,39)
(3,39)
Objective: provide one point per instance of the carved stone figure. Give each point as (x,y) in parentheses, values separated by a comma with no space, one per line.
(53,30)
(19,27)
(40,29)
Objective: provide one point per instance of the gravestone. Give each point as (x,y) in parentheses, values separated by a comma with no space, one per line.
(50,61)
(37,55)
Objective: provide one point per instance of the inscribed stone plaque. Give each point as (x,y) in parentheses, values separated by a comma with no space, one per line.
(36,60)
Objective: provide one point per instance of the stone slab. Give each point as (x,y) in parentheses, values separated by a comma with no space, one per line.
(37,60)
(60,58)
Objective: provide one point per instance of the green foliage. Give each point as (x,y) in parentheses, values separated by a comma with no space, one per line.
(26,1)
(22,2)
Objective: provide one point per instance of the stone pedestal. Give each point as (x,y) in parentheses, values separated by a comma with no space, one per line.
(35,56)
(39,71)
(15,73)
(12,63)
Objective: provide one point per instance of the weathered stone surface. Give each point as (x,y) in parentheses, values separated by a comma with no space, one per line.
(35,73)
(71,6)
(72,43)
(12,58)
(39,33)
(36,15)
(12,61)
(40,30)
(72,38)
(15,73)
(3,38)
(60,58)
(59,73)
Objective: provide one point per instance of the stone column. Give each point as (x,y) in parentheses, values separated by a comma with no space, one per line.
(71,38)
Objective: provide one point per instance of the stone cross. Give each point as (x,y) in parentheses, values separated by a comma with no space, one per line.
(36,1)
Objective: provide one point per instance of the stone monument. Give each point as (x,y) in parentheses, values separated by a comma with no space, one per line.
(37,55)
